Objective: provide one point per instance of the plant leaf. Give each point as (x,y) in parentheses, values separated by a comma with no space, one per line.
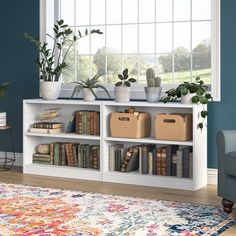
(120,77)
(132,80)
(127,84)
(100,86)
(118,84)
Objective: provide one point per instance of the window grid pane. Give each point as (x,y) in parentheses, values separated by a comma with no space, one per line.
(169,41)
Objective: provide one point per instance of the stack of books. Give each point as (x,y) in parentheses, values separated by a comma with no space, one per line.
(70,154)
(46,127)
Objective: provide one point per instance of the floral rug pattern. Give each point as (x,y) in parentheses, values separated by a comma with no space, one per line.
(26,210)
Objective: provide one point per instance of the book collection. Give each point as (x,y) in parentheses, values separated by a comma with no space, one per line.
(68,154)
(165,160)
(87,122)
(47,127)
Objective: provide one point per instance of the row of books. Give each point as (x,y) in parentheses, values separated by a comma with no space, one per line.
(70,154)
(170,160)
(46,127)
(87,122)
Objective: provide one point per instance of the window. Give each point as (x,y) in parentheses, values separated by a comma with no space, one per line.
(178,38)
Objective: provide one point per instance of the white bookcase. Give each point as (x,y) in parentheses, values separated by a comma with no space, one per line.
(32,108)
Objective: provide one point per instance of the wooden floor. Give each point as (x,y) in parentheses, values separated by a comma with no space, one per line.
(206,196)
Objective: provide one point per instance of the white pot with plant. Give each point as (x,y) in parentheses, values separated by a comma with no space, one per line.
(191,93)
(153,90)
(89,88)
(52,61)
(3,115)
(122,88)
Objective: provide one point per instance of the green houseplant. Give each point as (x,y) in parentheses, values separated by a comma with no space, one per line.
(52,61)
(3,115)
(122,87)
(196,93)
(89,87)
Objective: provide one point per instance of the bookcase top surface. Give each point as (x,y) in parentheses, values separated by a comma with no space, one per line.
(108,103)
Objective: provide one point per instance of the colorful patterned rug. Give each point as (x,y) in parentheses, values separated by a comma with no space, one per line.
(26,210)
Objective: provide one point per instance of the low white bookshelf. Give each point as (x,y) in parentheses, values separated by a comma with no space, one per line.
(32,108)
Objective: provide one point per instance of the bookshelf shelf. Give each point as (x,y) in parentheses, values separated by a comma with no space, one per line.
(65,135)
(148,140)
(198,144)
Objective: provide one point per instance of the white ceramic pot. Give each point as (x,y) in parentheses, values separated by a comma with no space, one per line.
(50,90)
(88,95)
(153,94)
(187,99)
(3,119)
(122,93)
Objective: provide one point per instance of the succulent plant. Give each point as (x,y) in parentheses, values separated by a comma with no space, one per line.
(125,80)
(152,80)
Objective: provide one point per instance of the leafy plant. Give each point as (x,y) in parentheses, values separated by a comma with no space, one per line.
(201,96)
(125,80)
(52,61)
(3,88)
(90,84)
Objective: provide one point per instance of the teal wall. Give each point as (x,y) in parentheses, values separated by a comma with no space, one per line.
(222,115)
(17,57)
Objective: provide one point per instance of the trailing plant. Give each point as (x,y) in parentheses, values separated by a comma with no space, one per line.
(201,96)
(90,84)
(3,88)
(125,80)
(152,80)
(52,61)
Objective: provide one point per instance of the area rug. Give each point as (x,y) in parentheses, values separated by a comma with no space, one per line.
(26,210)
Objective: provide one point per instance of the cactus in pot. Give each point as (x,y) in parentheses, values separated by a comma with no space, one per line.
(153,89)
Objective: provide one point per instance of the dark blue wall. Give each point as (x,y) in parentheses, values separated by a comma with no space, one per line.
(222,115)
(17,59)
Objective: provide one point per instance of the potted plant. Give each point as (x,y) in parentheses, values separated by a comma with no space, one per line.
(3,115)
(88,88)
(191,93)
(52,61)
(122,88)
(153,89)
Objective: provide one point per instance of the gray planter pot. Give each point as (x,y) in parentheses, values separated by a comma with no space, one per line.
(153,94)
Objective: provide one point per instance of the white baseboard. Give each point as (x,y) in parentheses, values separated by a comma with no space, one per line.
(211,173)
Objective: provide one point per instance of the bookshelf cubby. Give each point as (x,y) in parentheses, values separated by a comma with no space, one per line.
(32,107)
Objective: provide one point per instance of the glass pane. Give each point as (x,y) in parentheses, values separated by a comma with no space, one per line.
(163,37)
(131,62)
(99,60)
(82,67)
(130,11)
(97,12)
(201,9)
(182,68)
(114,12)
(201,35)
(97,40)
(114,38)
(145,61)
(182,10)
(68,75)
(83,43)
(67,11)
(202,67)
(147,38)
(113,67)
(82,12)
(146,11)
(182,36)
(130,42)
(163,10)
(164,68)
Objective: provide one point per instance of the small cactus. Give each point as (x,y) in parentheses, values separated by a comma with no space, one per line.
(152,81)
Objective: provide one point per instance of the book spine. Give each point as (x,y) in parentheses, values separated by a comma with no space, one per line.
(56,153)
(133,163)
(179,167)
(80,156)
(75,155)
(150,163)
(144,160)
(84,122)
(69,154)
(98,123)
(63,155)
(51,153)
(159,162)
(168,160)
(91,115)
(163,161)
(174,165)
(42,162)
(154,161)
(186,162)
(60,154)
(84,156)
(190,165)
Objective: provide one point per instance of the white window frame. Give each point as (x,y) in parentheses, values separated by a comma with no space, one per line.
(137,90)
